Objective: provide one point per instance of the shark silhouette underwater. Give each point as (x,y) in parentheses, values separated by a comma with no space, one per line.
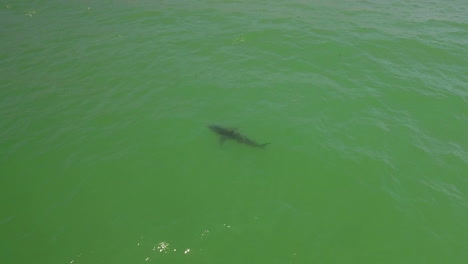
(232,134)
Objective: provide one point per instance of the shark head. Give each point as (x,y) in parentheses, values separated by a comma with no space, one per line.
(222,131)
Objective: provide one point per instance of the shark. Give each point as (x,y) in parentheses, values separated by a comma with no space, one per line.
(232,134)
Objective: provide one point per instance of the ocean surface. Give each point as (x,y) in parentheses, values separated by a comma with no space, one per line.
(106,157)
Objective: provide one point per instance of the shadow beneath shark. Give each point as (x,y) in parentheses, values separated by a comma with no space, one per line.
(232,134)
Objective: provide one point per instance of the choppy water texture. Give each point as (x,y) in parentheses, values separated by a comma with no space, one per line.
(105,154)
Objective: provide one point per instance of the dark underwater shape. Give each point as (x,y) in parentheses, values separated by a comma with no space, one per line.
(226,133)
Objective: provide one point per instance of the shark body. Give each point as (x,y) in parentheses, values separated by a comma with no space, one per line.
(232,134)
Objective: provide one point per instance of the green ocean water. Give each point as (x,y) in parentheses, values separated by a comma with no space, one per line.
(105,154)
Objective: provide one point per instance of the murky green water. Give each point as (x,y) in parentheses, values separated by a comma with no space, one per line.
(105,154)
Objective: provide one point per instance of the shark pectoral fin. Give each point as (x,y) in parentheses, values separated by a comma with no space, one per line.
(221,140)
